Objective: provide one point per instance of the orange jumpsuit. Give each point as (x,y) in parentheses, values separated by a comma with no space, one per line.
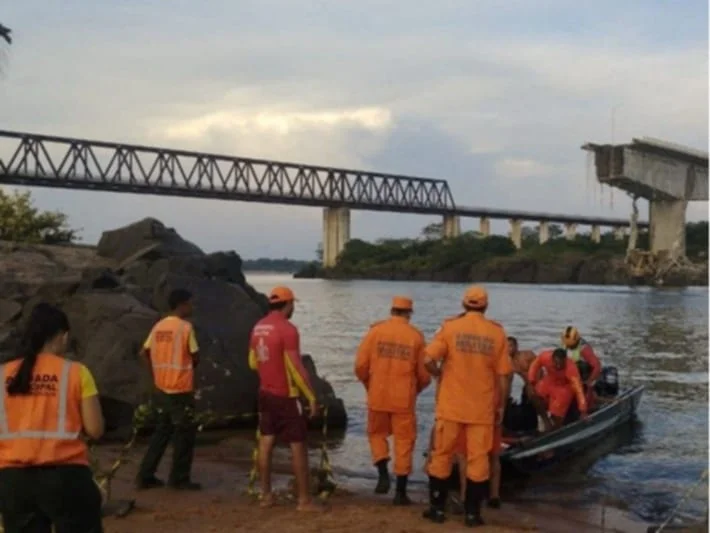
(390,364)
(558,387)
(475,354)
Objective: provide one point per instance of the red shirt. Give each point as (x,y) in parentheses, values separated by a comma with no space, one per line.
(275,353)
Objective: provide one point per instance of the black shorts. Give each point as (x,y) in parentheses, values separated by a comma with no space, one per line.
(282,418)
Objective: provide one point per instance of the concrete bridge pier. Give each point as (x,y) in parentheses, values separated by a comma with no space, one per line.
(484,226)
(451,228)
(336,233)
(516,232)
(667,225)
(544,232)
(596,234)
(570,231)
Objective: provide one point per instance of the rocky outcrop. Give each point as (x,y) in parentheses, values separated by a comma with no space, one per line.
(564,268)
(115,293)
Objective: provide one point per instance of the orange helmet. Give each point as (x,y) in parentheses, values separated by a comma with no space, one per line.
(570,337)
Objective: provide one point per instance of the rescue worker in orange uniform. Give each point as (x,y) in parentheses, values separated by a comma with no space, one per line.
(580,352)
(559,385)
(472,396)
(275,353)
(172,351)
(47,402)
(390,364)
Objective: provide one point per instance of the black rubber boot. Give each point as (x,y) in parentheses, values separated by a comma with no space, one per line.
(438,494)
(475,494)
(400,495)
(383,481)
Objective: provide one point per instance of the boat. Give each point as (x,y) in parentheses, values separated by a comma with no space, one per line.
(534,452)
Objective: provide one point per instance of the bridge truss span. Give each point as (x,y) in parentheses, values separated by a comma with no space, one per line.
(60,162)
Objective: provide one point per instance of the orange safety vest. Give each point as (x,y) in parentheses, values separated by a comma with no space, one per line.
(169,356)
(43,427)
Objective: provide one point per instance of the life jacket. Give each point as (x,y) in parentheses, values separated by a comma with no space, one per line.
(575,355)
(44,426)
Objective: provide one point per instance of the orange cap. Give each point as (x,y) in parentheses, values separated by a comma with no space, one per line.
(403,303)
(281,294)
(476,297)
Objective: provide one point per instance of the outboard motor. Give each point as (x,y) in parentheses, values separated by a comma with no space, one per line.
(608,383)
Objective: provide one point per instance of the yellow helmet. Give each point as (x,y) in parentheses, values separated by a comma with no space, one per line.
(570,337)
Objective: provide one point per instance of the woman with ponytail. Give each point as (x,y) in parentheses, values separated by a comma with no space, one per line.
(47,402)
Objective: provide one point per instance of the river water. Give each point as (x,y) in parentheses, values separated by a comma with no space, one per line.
(655,337)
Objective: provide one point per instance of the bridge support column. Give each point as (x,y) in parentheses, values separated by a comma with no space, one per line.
(667,226)
(570,231)
(451,228)
(484,226)
(516,232)
(596,234)
(336,233)
(544,232)
(619,233)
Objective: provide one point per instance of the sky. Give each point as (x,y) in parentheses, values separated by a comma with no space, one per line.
(495,97)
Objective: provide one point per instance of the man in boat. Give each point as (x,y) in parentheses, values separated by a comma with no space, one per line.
(559,386)
(472,394)
(390,364)
(521,360)
(580,352)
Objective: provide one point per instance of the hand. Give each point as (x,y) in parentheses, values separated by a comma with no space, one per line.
(312,409)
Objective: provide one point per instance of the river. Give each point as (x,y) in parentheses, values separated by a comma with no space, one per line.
(655,337)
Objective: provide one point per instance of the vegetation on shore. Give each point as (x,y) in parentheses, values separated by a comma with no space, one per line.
(266,264)
(472,257)
(21,221)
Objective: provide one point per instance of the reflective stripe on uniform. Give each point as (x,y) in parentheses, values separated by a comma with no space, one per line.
(177,352)
(61,433)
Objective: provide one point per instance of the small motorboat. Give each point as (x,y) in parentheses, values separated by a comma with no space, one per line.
(535,451)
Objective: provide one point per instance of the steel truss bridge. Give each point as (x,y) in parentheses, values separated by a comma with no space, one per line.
(34,160)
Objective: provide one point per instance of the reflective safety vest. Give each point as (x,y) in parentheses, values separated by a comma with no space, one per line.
(576,354)
(169,356)
(43,427)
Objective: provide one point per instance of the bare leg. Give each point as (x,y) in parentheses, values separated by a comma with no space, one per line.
(462,476)
(299,454)
(266,448)
(495,477)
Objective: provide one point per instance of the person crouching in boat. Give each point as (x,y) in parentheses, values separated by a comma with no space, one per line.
(390,364)
(580,352)
(521,361)
(559,386)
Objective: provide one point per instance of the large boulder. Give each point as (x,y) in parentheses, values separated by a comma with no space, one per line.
(115,296)
(145,236)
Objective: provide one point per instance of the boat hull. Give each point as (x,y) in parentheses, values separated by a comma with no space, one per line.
(544,451)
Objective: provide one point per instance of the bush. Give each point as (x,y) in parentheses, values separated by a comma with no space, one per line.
(20,221)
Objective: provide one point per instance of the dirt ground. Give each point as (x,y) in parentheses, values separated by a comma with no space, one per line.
(223,505)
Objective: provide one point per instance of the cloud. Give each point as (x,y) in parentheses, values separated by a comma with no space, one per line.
(521,168)
(483,94)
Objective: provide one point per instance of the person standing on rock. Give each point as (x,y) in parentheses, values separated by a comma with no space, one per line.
(275,353)
(47,402)
(172,351)
(390,364)
(472,395)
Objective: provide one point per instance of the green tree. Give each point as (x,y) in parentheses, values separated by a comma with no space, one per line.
(20,221)
(433,231)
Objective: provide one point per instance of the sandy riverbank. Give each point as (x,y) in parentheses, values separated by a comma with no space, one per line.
(222,468)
